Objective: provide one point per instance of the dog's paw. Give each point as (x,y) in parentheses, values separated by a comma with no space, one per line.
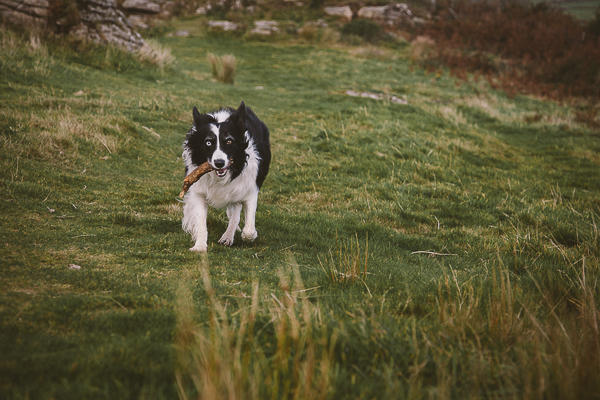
(226,240)
(200,248)
(248,235)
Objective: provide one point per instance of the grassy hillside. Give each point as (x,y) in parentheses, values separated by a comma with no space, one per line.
(447,247)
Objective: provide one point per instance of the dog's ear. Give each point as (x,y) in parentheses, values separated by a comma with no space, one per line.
(239,117)
(201,119)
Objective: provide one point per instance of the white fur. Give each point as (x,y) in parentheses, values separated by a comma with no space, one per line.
(217,192)
(221,115)
(218,153)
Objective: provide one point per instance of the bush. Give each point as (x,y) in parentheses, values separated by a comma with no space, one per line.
(594,25)
(368,30)
(523,48)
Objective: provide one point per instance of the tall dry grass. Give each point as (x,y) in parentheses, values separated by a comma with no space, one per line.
(347,264)
(484,338)
(223,67)
(273,348)
(156,54)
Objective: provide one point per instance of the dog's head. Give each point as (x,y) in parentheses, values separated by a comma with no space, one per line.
(219,138)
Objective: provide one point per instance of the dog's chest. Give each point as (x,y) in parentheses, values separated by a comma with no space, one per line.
(220,192)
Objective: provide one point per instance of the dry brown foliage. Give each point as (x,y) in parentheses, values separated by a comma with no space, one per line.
(518,47)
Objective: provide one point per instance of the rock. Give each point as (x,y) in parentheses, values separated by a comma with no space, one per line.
(396,13)
(376,96)
(203,10)
(391,14)
(138,22)
(372,12)
(320,23)
(418,21)
(224,25)
(96,20)
(179,34)
(102,22)
(264,27)
(141,6)
(26,12)
(344,12)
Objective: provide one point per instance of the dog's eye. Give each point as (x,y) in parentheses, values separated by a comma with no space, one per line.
(229,142)
(208,143)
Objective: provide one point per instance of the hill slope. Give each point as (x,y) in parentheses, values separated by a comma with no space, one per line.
(447,246)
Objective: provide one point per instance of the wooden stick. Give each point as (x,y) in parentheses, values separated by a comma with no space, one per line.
(194,176)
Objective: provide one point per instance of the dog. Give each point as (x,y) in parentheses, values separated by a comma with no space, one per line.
(236,144)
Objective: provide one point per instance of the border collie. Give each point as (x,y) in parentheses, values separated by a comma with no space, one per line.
(236,144)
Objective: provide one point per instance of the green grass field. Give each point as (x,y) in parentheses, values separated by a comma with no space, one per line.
(446,248)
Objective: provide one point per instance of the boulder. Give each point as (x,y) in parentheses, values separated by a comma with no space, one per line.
(102,22)
(144,6)
(344,12)
(138,22)
(320,23)
(95,20)
(224,25)
(26,12)
(392,14)
(264,27)
(372,12)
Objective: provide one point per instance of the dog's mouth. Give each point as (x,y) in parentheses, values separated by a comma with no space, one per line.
(222,172)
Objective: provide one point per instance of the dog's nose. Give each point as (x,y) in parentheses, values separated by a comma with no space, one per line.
(219,163)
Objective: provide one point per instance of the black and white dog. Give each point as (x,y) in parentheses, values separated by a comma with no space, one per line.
(236,144)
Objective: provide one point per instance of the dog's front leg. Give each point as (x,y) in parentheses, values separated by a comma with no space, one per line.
(233,213)
(249,233)
(195,211)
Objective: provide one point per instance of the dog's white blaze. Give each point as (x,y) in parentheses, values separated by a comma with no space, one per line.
(218,153)
(221,115)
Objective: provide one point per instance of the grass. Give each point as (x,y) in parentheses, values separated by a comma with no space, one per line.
(467,220)
(223,67)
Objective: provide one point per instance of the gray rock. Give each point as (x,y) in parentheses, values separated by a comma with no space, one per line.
(141,6)
(96,20)
(26,12)
(264,27)
(102,22)
(225,25)
(392,14)
(344,12)
(372,12)
(138,22)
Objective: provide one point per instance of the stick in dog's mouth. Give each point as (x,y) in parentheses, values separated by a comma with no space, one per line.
(198,173)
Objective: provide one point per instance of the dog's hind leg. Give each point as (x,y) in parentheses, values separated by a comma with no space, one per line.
(233,213)
(249,233)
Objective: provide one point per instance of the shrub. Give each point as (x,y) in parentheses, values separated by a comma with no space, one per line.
(63,15)
(367,30)
(308,33)
(594,25)
(523,48)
